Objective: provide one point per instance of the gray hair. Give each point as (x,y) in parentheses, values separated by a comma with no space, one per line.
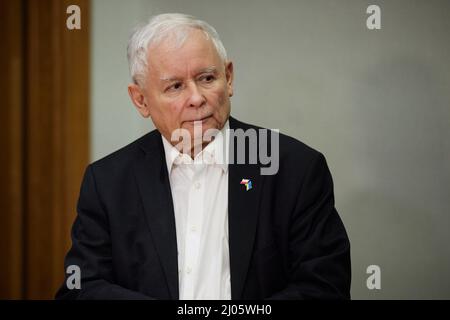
(158,28)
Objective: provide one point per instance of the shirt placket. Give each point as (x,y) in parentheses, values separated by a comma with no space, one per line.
(193,232)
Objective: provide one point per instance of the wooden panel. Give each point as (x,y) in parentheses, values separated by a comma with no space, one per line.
(11,127)
(44,135)
(57,121)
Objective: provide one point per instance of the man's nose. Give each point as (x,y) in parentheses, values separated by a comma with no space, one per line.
(196,98)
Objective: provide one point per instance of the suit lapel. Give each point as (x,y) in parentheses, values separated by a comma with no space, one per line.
(153,182)
(242,218)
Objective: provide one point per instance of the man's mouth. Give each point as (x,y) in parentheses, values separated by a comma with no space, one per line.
(199,120)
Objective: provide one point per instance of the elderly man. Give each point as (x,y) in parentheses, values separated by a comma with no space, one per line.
(155,220)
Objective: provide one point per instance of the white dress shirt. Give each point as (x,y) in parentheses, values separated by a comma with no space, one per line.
(200,197)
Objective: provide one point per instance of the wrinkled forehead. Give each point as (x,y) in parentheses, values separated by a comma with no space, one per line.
(181,50)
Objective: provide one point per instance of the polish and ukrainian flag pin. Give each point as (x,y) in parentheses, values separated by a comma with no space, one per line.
(247,183)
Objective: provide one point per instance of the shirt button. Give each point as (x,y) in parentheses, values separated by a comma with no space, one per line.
(197,185)
(193,229)
(188,270)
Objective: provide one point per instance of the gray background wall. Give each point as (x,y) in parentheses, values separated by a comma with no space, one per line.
(376,103)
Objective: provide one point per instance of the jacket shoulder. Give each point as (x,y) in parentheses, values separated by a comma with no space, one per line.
(127,154)
(289,147)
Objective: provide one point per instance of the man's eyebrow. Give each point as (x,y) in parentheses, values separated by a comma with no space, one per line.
(204,70)
(169,79)
(208,69)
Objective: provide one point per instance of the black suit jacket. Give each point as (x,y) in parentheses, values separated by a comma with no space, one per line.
(286,239)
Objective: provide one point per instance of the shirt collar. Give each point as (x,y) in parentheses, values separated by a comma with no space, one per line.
(214,153)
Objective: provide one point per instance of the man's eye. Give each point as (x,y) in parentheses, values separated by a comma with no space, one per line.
(175,86)
(207,78)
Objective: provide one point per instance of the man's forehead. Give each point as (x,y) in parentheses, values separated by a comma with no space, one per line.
(195,49)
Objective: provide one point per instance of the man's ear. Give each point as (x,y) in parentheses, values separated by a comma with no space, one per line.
(230,75)
(138,99)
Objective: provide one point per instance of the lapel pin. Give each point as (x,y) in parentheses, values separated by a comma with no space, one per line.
(247,183)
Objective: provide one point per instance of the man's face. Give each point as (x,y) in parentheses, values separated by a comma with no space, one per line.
(185,85)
